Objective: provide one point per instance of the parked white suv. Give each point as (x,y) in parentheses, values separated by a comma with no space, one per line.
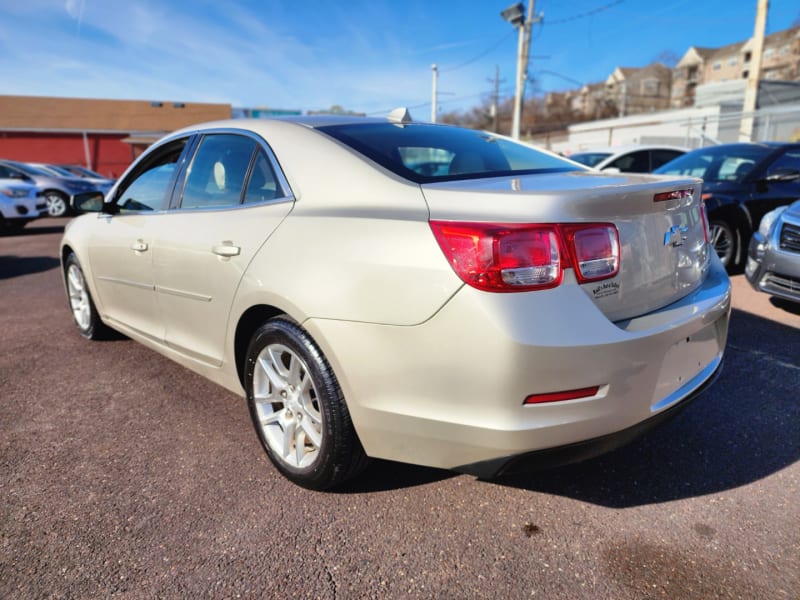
(19,205)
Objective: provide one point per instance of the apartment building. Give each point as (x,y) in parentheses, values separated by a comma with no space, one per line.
(699,66)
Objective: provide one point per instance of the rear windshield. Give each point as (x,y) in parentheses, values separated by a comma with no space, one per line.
(426,153)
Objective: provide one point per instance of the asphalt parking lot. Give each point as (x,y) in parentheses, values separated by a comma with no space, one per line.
(125,475)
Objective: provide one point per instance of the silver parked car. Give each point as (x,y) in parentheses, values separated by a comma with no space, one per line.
(56,190)
(101,183)
(472,316)
(773,262)
(20,203)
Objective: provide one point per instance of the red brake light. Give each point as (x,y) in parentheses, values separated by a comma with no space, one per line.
(596,251)
(674,195)
(521,257)
(501,258)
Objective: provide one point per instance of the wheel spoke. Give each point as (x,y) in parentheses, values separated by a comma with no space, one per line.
(288,438)
(269,366)
(271,418)
(299,445)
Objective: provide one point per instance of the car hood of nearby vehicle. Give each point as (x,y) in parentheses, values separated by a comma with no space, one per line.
(793,210)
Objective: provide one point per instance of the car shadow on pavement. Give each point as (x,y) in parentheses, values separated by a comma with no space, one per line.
(744,428)
(14,266)
(787,305)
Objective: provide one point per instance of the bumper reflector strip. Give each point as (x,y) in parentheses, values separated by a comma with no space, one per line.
(561,396)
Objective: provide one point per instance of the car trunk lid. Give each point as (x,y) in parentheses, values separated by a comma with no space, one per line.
(663,249)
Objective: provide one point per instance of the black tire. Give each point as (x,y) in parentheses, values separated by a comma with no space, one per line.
(298,410)
(57,203)
(81,304)
(726,240)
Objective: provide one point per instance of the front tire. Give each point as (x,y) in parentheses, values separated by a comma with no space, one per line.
(298,409)
(84,313)
(57,203)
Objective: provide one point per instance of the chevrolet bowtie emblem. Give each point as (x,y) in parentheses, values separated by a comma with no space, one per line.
(674,236)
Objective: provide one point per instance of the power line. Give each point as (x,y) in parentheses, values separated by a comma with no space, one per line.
(481,55)
(582,15)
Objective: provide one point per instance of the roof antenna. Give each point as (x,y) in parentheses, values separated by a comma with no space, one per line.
(400,115)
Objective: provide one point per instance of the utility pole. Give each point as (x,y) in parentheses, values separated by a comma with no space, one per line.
(515,15)
(495,97)
(754,74)
(434,93)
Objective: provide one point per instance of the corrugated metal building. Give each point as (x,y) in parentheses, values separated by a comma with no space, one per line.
(104,135)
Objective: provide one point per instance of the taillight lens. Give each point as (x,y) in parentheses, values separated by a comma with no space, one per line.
(521,257)
(595,249)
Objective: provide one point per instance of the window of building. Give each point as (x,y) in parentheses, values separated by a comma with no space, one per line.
(717,66)
(733,61)
(769,53)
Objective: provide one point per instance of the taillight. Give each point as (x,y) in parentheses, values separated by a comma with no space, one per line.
(595,250)
(521,257)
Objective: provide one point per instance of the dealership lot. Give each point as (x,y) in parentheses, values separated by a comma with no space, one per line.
(123,473)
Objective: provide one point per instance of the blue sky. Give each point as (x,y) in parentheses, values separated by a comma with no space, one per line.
(365,55)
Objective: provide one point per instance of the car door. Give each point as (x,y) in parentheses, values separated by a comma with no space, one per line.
(121,249)
(768,195)
(234,196)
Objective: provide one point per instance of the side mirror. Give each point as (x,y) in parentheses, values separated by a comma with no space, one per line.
(88,202)
(784,174)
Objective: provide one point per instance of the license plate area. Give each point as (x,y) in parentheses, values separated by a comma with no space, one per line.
(685,360)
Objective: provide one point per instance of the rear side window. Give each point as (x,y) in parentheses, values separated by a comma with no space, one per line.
(427,153)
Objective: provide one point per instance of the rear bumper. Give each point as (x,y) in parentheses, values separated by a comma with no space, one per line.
(580,451)
(450,392)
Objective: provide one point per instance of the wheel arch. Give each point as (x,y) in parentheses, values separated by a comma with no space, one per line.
(251,319)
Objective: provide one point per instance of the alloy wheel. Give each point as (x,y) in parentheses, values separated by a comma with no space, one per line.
(287,406)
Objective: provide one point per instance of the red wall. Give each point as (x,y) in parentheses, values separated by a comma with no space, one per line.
(109,155)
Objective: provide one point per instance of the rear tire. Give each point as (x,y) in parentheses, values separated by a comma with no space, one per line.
(84,313)
(726,240)
(298,409)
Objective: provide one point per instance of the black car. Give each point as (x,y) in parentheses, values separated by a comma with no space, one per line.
(741,183)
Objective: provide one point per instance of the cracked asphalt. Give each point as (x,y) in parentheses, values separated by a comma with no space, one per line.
(125,475)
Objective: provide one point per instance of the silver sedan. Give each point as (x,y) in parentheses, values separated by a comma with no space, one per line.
(407,291)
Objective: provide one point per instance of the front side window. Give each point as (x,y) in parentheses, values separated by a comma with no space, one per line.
(148,187)
(426,153)
(218,171)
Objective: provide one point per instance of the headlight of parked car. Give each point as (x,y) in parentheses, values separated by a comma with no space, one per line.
(768,220)
(14,192)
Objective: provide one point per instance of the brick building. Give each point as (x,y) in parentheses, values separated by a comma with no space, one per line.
(105,135)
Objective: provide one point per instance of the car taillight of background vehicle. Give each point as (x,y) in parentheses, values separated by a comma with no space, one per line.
(522,257)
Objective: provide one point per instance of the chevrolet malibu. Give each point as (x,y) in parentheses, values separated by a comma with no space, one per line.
(407,291)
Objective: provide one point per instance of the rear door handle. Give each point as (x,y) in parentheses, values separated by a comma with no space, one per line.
(226,249)
(139,246)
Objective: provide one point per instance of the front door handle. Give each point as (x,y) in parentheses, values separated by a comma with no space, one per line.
(226,249)
(139,246)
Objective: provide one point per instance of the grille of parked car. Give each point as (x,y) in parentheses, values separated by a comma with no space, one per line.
(790,238)
(781,283)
